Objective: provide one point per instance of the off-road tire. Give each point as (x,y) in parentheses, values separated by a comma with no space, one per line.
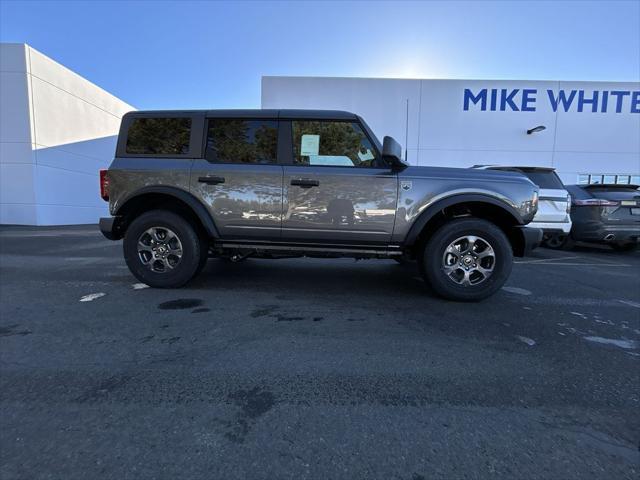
(432,263)
(194,250)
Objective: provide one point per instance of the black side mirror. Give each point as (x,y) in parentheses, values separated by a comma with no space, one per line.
(392,153)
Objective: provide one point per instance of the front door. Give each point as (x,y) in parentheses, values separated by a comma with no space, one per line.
(239,179)
(337,189)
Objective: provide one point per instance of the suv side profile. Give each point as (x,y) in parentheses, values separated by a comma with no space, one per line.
(189,185)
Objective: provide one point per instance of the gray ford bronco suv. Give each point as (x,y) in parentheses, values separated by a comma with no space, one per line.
(189,185)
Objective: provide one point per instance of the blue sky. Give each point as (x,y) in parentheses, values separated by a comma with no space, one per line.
(213,54)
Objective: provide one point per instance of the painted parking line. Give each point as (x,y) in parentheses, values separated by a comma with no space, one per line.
(543,260)
(575,264)
(594,262)
(630,303)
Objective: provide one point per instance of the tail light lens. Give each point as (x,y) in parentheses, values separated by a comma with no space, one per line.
(568,203)
(104,185)
(595,202)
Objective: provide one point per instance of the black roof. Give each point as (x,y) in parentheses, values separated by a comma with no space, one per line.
(517,168)
(256,113)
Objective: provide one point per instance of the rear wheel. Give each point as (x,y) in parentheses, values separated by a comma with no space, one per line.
(555,241)
(163,250)
(467,260)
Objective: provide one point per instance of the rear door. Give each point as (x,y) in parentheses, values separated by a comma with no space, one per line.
(336,187)
(239,179)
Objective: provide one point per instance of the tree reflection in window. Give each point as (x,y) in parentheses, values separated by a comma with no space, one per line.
(340,144)
(242,141)
(159,136)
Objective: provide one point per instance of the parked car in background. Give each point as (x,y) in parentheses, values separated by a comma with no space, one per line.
(554,204)
(605,214)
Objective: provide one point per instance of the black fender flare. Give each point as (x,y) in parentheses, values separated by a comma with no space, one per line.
(192,202)
(433,210)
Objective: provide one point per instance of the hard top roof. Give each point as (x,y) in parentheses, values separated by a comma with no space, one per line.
(517,167)
(254,113)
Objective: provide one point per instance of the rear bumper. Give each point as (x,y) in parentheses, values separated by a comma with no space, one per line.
(551,227)
(109,226)
(604,233)
(529,239)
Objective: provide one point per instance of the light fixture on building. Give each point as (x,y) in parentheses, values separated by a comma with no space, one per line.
(537,129)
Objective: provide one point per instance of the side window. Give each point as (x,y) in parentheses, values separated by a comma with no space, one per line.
(242,141)
(331,143)
(159,136)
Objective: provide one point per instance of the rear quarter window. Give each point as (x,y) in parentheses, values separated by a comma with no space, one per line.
(543,179)
(159,136)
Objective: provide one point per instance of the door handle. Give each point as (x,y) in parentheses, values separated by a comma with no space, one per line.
(211,180)
(305,182)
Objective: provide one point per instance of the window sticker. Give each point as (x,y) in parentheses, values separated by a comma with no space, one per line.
(309,145)
(365,154)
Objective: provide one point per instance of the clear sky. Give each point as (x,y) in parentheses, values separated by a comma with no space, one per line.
(163,54)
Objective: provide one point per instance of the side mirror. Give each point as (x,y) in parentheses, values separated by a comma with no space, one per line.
(392,153)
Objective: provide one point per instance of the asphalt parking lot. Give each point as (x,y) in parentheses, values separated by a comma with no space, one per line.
(305,368)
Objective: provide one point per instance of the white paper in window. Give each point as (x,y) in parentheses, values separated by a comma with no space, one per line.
(366,155)
(309,145)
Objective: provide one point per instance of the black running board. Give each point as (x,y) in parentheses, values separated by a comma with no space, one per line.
(339,250)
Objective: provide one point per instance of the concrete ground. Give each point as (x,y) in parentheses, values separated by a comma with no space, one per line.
(313,369)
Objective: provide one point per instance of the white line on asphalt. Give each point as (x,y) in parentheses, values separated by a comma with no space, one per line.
(630,303)
(543,260)
(529,341)
(92,296)
(579,264)
(139,286)
(519,291)
(626,344)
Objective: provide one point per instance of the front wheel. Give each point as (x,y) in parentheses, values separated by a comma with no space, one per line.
(163,250)
(467,259)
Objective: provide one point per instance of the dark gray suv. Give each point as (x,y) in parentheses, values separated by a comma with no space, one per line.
(189,185)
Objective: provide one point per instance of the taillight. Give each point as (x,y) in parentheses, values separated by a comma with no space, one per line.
(595,202)
(568,203)
(104,185)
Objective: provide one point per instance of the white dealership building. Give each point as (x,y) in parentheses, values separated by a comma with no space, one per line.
(592,129)
(57,129)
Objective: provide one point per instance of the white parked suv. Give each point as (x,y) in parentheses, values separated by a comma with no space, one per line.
(554,206)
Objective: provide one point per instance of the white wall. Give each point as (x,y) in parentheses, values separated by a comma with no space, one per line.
(441,132)
(17,164)
(57,130)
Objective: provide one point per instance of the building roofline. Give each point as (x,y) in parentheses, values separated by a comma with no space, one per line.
(256,113)
(455,79)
